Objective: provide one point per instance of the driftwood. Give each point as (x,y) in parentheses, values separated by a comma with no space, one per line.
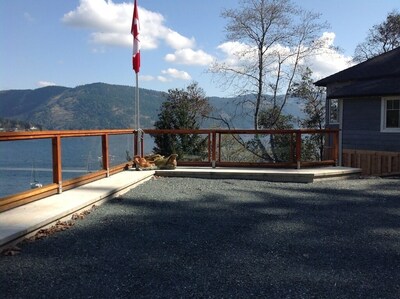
(155,162)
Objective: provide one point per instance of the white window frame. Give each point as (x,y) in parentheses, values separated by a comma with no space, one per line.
(333,121)
(383,115)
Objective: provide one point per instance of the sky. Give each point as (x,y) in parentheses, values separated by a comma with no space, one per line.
(76,42)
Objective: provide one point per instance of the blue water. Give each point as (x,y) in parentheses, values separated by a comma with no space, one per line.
(23,162)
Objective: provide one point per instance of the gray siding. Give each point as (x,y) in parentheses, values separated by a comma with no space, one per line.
(362,124)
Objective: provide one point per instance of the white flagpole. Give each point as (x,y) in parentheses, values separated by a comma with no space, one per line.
(136,66)
(137,121)
(137,103)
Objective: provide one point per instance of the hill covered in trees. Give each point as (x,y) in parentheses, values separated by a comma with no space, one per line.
(101,106)
(91,106)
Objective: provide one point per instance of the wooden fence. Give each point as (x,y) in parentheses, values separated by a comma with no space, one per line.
(214,157)
(375,163)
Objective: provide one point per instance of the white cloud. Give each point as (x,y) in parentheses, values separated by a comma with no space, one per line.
(233,47)
(176,74)
(104,16)
(163,79)
(28,17)
(328,61)
(324,63)
(110,38)
(176,40)
(190,57)
(238,53)
(45,83)
(235,50)
(111,23)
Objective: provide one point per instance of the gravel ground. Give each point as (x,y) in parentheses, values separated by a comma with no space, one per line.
(198,238)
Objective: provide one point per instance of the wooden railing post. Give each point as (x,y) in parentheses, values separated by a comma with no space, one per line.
(292,148)
(141,143)
(209,147)
(135,143)
(214,149)
(219,146)
(57,170)
(298,149)
(104,151)
(336,147)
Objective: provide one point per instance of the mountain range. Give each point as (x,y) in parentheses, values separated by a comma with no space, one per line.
(102,106)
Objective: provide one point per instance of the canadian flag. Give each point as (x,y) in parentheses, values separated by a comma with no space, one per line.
(136,42)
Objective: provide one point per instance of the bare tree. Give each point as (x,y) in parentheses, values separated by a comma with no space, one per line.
(271,39)
(380,39)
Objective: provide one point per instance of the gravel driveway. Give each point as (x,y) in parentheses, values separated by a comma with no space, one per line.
(199,238)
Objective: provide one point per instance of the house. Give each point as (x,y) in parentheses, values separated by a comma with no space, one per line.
(363,101)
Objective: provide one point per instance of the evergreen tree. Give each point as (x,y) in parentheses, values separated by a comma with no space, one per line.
(314,108)
(183,109)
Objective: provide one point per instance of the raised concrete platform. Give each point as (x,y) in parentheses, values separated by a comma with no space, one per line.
(306,175)
(19,222)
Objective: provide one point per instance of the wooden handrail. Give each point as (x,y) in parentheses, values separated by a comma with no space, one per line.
(237,131)
(9,136)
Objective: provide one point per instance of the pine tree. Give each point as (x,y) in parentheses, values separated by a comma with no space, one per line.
(183,109)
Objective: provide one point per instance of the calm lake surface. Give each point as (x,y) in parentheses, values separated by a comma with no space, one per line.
(23,162)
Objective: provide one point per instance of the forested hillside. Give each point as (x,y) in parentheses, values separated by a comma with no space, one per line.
(92,106)
(105,106)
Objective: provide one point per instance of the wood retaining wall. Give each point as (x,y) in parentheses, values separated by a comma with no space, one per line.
(375,163)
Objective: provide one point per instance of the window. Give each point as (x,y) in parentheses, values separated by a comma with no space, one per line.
(391,114)
(333,111)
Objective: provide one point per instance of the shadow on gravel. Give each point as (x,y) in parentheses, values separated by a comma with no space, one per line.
(177,237)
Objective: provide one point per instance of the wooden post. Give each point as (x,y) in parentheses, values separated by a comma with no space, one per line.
(214,149)
(298,149)
(135,143)
(141,143)
(292,155)
(57,168)
(104,151)
(336,147)
(209,147)
(219,146)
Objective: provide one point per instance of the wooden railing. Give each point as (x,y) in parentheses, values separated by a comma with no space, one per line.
(214,156)
(58,185)
(215,144)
